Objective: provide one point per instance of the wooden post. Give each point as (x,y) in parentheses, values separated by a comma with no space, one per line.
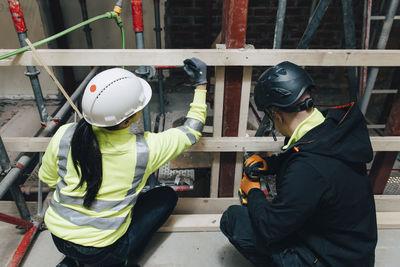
(234,24)
(383,162)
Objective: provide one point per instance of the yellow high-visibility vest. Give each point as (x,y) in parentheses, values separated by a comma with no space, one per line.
(127,161)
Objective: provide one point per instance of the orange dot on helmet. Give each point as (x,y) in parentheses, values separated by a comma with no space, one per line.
(92,88)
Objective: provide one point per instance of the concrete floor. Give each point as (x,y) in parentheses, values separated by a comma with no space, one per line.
(195,249)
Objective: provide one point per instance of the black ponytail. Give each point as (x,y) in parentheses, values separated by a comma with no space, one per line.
(86,154)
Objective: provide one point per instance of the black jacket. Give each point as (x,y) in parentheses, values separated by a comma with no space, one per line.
(324,196)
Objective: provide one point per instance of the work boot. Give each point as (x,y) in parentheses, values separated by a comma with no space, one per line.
(69,262)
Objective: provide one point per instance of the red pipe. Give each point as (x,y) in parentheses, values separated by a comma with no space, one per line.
(23,247)
(165,67)
(16,221)
(17,15)
(137,15)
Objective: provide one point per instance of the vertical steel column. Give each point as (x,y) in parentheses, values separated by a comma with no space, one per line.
(375,29)
(234,24)
(383,162)
(365,44)
(280,22)
(313,24)
(160,77)
(350,43)
(87,28)
(32,72)
(386,28)
(137,17)
(4,160)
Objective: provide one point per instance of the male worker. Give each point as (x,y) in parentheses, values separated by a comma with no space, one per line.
(324,212)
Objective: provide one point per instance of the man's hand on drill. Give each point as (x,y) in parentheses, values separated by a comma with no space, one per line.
(253,167)
(248,184)
(196,70)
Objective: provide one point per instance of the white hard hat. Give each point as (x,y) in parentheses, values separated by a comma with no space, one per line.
(114,95)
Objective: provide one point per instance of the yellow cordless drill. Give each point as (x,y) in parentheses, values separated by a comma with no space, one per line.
(254,169)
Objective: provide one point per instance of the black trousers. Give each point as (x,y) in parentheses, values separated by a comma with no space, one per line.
(236,226)
(151,211)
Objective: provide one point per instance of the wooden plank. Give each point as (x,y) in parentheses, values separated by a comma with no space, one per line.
(217,126)
(383,203)
(210,222)
(212,57)
(243,119)
(387,203)
(192,223)
(245,100)
(388,220)
(206,144)
(385,143)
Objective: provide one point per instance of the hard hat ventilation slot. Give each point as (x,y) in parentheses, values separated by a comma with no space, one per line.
(122,78)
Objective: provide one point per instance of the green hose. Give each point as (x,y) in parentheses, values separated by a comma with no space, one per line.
(123,39)
(108,15)
(121,26)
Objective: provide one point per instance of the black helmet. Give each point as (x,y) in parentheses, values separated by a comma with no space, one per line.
(281,86)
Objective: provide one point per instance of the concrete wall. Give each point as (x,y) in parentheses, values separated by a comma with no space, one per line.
(105,34)
(13,82)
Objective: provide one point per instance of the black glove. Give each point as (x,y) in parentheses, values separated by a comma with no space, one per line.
(196,70)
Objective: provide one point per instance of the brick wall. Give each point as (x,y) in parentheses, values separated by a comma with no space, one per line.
(196,23)
(188,20)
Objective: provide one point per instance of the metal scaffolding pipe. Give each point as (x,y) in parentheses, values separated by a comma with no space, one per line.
(87,28)
(4,159)
(384,36)
(280,21)
(67,107)
(313,24)
(24,161)
(350,43)
(160,120)
(20,27)
(13,175)
(137,17)
(365,43)
(29,235)
(14,189)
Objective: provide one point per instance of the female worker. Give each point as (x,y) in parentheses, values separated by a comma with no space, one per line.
(97,214)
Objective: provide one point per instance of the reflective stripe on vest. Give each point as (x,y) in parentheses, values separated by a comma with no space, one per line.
(77,218)
(191,136)
(194,124)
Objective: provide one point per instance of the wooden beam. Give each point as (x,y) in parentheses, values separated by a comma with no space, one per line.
(210,222)
(217,126)
(206,144)
(212,57)
(383,203)
(243,119)
(387,203)
(388,220)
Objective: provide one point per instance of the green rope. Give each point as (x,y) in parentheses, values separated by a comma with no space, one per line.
(108,15)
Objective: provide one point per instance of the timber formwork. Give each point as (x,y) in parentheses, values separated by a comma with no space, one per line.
(202,214)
